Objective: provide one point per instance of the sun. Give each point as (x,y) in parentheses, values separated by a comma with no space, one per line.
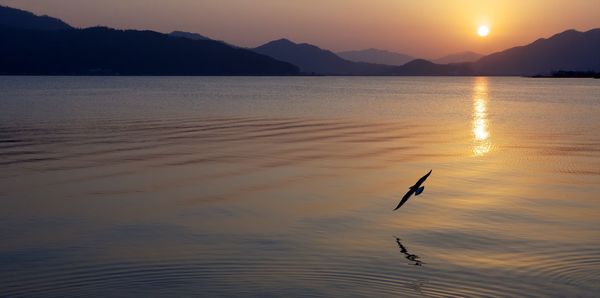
(483,31)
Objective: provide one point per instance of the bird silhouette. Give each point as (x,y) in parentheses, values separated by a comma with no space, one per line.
(416,189)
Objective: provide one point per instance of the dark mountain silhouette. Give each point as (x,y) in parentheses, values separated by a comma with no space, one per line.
(33,45)
(458,58)
(422,67)
(23,19)
(312,59)
(376,56)
(196,36)
(189,35)
(104,51)
(570,51)
(43,45)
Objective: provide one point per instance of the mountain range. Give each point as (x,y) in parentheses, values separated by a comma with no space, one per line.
(398,59)
(461,57)
(34,45)
(422,67)
(26,20)
(43,45)
(570,50)
(376,56)
(189,35)
(314,60)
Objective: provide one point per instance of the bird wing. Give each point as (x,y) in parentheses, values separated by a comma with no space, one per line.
(418,184)
(405,198)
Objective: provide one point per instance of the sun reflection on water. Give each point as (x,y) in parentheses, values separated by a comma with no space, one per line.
(481,135)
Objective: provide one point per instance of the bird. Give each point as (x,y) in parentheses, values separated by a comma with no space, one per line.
(416,189)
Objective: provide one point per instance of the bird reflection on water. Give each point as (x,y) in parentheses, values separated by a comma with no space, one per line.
(414,259)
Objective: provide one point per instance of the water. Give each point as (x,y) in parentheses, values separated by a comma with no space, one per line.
(138,187)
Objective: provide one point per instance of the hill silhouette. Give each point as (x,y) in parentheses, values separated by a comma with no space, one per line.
(567,51)
(42,45)
(421,67)
(189,35)
(196,36)
(458,58)
(312,59)
(376,56)
(107,51)
(12,17)
(570,50)
(60,50)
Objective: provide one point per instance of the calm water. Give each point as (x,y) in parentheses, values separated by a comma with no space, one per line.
(148,187)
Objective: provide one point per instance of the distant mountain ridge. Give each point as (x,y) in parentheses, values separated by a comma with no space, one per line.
(461,57)
(12,17)
(196,36)
(189,35)
(105,51)
(36,50)
(422,67)
(312,59)
(42,45)
(376,56)
(570,50)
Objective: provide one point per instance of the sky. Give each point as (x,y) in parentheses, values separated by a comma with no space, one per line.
(424,28)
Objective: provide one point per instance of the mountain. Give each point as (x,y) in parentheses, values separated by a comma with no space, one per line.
(458,58)
(42,45)
(376,56)
(570,50)
(32,45)
(312,59)
(189,35)
(196,36)
(23,19)
(109,52)
(421,67)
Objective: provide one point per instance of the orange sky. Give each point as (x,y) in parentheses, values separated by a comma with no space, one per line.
(424,28)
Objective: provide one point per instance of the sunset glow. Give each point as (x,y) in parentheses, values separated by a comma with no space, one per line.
(427,29)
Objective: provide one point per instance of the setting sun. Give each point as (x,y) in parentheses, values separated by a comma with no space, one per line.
(483,31)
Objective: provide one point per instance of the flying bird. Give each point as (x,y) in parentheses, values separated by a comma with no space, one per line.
(416,189)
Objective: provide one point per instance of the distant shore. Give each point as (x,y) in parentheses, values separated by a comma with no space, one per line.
(570,74)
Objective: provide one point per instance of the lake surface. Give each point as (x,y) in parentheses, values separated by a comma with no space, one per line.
(284,187)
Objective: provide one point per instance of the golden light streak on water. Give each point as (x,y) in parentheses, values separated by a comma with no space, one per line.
(482,144)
